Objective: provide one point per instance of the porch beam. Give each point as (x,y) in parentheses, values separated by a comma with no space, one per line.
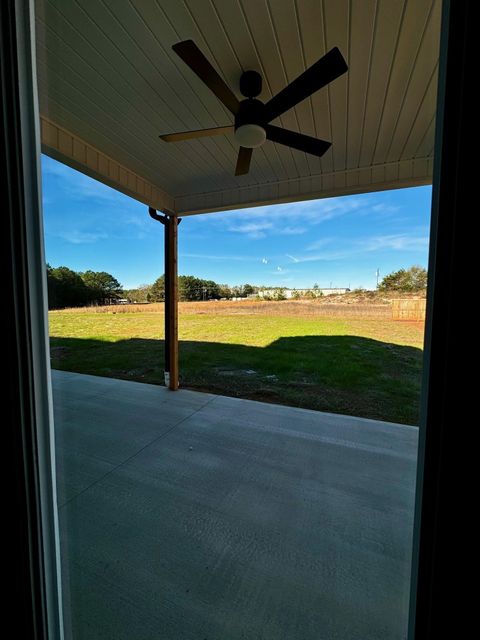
(171,302)
(170,224)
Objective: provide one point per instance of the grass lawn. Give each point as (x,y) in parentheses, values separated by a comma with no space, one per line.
(365,367)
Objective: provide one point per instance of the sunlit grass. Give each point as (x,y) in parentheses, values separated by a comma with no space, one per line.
(359,366)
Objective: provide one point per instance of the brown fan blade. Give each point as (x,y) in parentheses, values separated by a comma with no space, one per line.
(324,71)
(243,161)
(194,58)
(200,133)
(299,141)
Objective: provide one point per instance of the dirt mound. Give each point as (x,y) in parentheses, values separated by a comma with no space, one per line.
(362,296)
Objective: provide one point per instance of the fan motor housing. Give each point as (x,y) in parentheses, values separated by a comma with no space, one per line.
(249,124)
(250,112)
(250,84)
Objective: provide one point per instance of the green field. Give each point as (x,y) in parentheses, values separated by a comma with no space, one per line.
(363,367)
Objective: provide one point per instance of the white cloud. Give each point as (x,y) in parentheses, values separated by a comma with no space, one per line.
(53,168)
(397,242)
(280,272)
(137,221)
(264,261)
(203,256)
(298,218)
(252,229)
(290,218)
(291,231)
(349,248)
(318,244)
(382,207)
(78,186)
(81,237)
(327,256)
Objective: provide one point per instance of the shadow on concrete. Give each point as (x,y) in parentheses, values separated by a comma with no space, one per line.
(339,374)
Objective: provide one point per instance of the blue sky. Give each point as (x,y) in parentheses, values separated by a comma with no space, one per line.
(336,242)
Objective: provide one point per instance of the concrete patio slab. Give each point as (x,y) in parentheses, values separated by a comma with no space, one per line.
(192,516)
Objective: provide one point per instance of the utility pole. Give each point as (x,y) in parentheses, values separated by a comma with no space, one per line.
(378,273)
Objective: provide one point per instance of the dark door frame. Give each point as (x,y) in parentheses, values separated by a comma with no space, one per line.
(31,549)
(30,509)
(438,530)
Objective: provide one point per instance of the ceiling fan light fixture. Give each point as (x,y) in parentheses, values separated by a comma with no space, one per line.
(252,117)
(250,136)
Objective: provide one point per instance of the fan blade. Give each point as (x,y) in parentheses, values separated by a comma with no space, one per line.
(200,133)
(194,58)
(321,73)
(243,161)
(299,141)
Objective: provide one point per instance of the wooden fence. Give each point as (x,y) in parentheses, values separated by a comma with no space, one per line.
(409,309)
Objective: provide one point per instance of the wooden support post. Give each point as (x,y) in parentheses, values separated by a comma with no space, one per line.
(170,224)
(171,303)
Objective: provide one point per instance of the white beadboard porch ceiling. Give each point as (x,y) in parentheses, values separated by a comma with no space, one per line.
(109,84)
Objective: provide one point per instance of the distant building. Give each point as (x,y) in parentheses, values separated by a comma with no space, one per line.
(293,293)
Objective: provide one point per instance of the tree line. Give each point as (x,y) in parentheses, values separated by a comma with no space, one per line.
(190,288)
(412,279)
(68,288)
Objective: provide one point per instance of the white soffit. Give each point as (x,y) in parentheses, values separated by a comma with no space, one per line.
(109,84)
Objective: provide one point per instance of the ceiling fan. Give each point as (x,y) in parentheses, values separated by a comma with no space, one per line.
(252,117)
